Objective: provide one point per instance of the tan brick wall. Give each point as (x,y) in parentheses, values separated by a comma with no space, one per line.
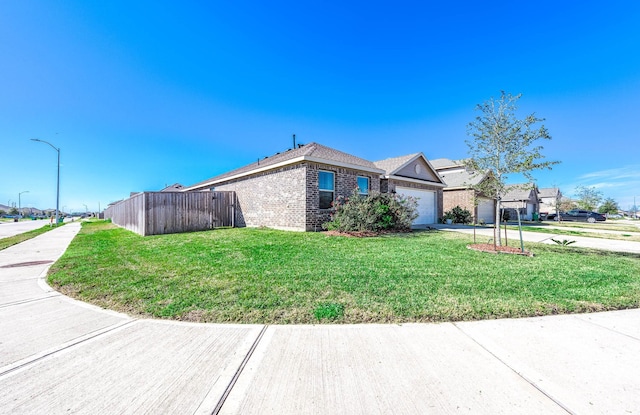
(346,181)
(274,198)
(288,197)
(462,198)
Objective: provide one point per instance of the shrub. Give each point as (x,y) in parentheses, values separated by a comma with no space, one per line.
(373,213)
(458,215)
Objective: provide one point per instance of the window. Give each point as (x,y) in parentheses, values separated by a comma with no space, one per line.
(326,185)
(363,185)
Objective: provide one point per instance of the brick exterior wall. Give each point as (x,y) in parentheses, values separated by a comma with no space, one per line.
(275,198)
(346,180)
(288,197)
(462,198)
(389,185)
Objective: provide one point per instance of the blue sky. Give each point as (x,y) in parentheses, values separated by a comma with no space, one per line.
(142,94)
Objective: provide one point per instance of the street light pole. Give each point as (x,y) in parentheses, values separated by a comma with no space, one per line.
(20,203)
(57,149)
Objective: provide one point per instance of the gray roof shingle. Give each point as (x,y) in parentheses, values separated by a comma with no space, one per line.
(516,192)
(313,151)
(548,192)
(444,163)
(391,164)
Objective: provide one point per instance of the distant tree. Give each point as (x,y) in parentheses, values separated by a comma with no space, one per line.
(588,198)
(609,206)
(13,211)
(502,144)
(566,204)
(2,212)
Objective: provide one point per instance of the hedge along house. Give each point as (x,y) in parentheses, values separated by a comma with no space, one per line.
(460,192)
(294,190)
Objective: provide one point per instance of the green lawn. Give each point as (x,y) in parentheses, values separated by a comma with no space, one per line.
(269,276)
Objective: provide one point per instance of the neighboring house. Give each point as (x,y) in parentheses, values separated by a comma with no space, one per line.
(549,199)
(523,197)
(176,187)
(413,175)
(459,191)
(295,189)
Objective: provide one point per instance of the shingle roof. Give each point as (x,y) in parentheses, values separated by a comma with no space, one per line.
(457,178)
(461,179)
(549,192)
(173,188)
(311,151)
(391,164)
(517,192)
(444,163)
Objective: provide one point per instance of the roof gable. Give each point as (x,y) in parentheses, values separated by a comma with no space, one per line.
(413,166)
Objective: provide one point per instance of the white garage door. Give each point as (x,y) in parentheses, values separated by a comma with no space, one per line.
(486,211)
(426,204)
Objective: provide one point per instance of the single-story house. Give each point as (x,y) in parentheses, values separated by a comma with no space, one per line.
(459,190)
(549,199)
(523,197)
(295,189)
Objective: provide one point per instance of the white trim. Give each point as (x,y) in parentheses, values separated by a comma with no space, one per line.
(333,191)
(282,164)
(410,180)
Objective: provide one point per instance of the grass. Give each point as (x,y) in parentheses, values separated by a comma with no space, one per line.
(269,276)
(16,239)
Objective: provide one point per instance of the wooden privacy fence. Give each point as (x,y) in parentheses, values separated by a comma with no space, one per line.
(156,213)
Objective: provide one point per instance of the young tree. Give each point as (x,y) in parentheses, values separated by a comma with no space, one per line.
(503,144)
(609,206)
(588,197)
(566,204)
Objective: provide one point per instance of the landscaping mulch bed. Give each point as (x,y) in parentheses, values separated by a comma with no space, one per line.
(492,249)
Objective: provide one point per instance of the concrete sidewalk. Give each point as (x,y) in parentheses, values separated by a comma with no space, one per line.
(62,356)
(484,235)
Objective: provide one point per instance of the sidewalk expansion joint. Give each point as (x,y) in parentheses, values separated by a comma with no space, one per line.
(31,300)
(233,381)
(519,374)
(611,329)
(29,361)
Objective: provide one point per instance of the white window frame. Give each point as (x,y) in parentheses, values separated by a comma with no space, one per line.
(320,190)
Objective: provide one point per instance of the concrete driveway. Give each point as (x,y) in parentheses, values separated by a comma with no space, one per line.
(61,356)
(484,235)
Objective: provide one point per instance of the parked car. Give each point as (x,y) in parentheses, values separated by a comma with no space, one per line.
(578,216)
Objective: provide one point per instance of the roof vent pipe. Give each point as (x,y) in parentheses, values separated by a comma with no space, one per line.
(294,141)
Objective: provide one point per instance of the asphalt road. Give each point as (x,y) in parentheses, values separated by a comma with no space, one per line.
(8,229)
